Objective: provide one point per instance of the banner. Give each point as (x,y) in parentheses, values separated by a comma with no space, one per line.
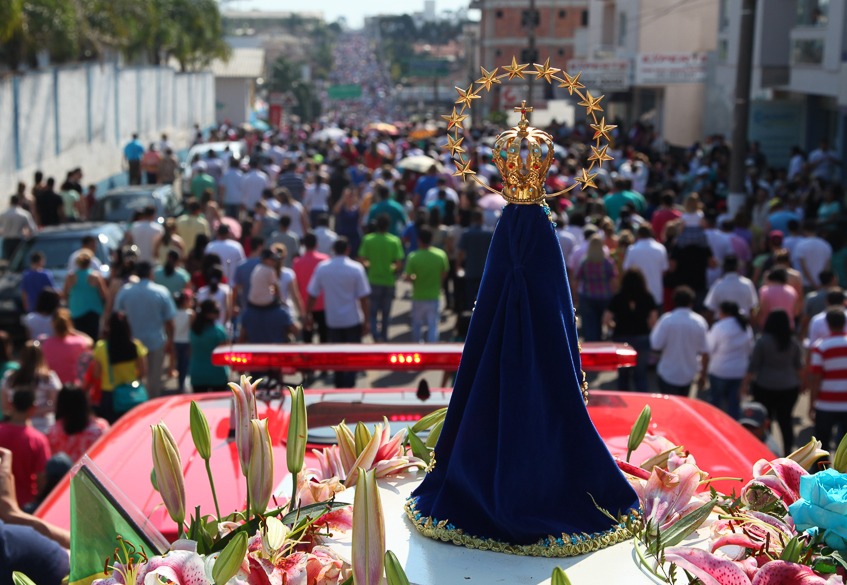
(665,68)
(606,75)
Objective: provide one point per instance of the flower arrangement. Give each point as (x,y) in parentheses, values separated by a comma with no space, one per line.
(283,544)
(786,526)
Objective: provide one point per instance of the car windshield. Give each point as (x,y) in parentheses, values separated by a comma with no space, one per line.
(56,252)
(123,207)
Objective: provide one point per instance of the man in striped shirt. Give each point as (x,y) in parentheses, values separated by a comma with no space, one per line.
(828,379)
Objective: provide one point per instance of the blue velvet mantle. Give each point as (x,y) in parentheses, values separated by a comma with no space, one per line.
(518,458)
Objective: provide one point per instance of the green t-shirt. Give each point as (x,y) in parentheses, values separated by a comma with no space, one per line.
(427,265)
(200,367)
(381,251)
(201,182)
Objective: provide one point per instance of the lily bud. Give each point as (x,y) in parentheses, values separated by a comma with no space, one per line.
(274,535)
(295,448)
(368,531)
(639,429)
(559,577)
(394,572)
(230,560)
(809,453)
(362,437)
(244,401)
(200,432)
(21,579)
(839,463)
(260,471)
(168,468)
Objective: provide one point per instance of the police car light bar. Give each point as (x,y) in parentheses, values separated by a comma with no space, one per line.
(596,357)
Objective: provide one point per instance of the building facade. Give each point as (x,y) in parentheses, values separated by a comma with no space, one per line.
(799,80)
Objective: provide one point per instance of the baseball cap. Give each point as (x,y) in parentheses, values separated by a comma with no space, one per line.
(753,414)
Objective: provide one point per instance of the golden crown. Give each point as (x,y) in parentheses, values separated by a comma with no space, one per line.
(523,178)
(524,175)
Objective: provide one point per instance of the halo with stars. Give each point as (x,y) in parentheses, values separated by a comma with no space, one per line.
(585,178)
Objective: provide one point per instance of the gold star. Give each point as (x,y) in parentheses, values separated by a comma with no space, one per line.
(466,96)
(515,70)
(455,119)
(572,83)
(591,103)
(602,129)
(463,169)
(454,145)
(599,155)
(545,71)
(586,180)
(488,78)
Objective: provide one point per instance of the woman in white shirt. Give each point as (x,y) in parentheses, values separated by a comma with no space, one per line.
(219,292)
(289,292)
(730,342)
(316,199)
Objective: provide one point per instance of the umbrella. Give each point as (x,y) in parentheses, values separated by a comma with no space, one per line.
(492,201)
(331,133)
(422,133)
(383,128)
(419,164)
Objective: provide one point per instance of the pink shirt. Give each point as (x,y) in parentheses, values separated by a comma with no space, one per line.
(30,452)
(777,296)
(304,267)
(63,356)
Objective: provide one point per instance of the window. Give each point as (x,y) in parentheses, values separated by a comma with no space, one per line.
(499,14)
(622,24)
(584,18)
(723,18)
(561,52)
(563,13)
(723,50)
(812,12)
(807,52)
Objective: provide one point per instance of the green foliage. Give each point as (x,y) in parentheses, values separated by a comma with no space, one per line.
(143,31)
(286,77)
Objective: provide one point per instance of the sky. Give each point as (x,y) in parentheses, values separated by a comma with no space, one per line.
(353,10)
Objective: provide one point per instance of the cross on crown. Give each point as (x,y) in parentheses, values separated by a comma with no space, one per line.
(524,110)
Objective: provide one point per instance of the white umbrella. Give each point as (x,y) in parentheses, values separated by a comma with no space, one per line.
(332,133)
(419,164)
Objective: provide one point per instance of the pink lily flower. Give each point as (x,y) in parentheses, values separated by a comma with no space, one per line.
(667,496)
(180,567)
(711,570)
(779,478)
(244,401)
(382,453)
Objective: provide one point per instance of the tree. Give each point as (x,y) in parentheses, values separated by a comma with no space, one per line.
(284,77)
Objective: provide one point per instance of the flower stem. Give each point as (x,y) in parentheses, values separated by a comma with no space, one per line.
(212,485)
(293,501)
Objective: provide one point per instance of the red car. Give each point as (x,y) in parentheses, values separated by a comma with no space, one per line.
(722,447)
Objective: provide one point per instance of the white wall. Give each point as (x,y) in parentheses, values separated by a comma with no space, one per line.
(67,117)
(233,97)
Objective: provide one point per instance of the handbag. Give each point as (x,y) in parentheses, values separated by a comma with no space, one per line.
(125,396)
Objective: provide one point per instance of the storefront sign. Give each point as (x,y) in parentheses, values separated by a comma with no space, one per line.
(602,75)
(665,68)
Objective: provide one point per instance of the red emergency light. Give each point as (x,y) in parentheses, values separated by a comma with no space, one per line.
(596,357)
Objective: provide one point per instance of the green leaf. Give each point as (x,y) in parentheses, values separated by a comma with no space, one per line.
(792,550)
(394,570)
(230,559)
(683,527)
(419,450)
(21,579)
(559,577)
(426,422)
(432,439)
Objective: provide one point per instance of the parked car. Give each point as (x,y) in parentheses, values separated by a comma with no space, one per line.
(120,204)
(57,243)
(722,446)
(224,150)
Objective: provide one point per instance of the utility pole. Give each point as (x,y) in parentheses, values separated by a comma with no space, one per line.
(744,68)
(531,23)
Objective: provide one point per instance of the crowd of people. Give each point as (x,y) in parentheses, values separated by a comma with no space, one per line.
(305,238)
